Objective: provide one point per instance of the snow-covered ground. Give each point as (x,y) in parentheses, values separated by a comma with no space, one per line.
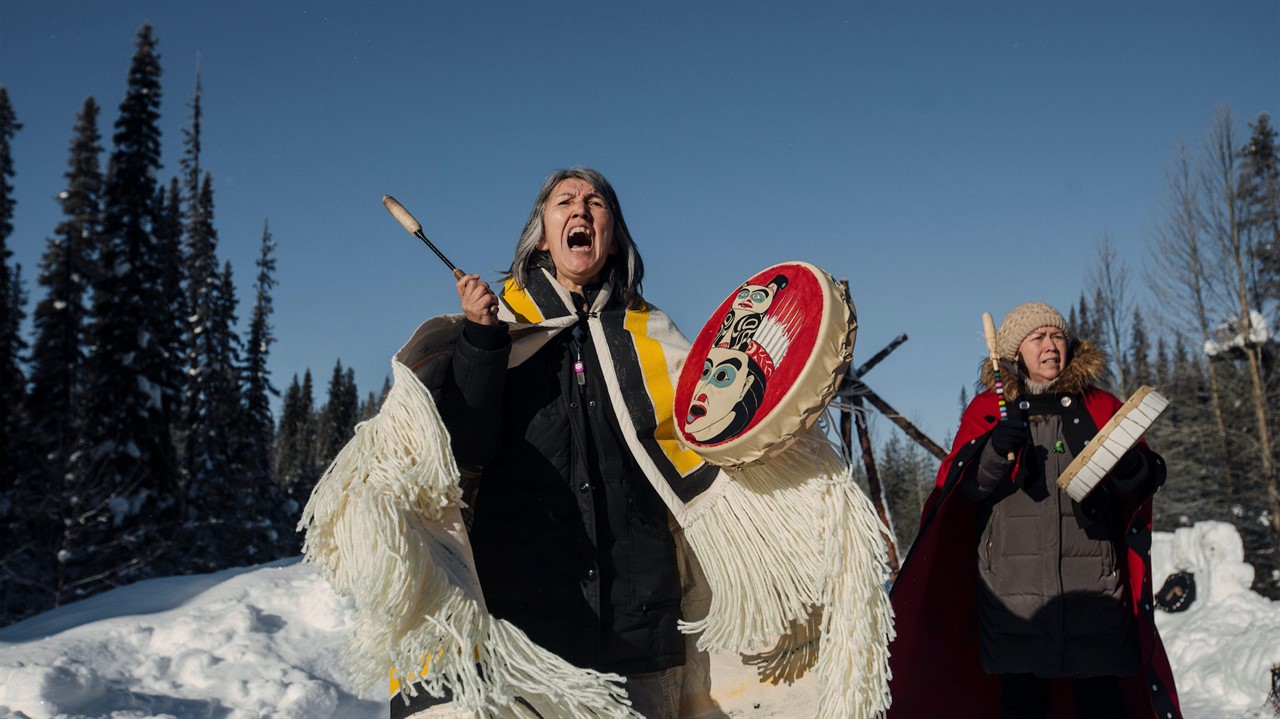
(267,642)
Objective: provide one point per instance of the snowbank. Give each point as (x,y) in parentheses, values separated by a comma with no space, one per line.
(256,642)
(1222,647)
(267,641)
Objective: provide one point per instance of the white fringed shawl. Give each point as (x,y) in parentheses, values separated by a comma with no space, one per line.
(780,543)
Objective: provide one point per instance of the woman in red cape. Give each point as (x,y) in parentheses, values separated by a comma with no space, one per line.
(1015,600)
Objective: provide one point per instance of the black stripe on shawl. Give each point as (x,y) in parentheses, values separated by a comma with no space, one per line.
(545,296)
(402,709)
(630,376)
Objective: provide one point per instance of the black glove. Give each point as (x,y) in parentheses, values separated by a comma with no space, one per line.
(1131,475)
(1010,435)
(1129,465)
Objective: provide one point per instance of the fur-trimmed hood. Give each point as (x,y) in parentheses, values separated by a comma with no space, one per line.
(1086,366)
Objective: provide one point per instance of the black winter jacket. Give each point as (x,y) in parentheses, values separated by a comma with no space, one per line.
(571,542)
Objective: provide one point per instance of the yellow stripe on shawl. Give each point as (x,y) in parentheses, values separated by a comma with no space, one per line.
(521,303)
(657,378)
(395,683)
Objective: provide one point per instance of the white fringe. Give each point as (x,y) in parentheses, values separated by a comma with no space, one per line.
(788,536)
(378,528)
(857,626)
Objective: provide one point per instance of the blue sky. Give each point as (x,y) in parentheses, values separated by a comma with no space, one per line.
(948,158)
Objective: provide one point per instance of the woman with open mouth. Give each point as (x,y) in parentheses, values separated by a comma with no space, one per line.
(571,540)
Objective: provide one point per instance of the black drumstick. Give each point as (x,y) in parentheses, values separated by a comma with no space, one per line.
(415,228)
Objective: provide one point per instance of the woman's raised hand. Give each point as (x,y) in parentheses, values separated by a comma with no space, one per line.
(479,303)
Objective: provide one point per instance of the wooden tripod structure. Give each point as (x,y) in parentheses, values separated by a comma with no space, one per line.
(855,391)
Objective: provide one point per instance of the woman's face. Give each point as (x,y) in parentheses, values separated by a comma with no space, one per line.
(725,379)
(1044,353)
(577,230)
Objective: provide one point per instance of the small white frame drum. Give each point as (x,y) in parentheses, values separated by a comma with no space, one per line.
(1116,437)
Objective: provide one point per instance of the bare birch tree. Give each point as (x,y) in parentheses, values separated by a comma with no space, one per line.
(1108,282)
(1178,278)
(1224,219)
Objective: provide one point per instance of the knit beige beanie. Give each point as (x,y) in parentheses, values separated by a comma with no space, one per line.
(1022,321)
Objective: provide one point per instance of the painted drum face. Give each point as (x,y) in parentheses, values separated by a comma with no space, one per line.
(765,364)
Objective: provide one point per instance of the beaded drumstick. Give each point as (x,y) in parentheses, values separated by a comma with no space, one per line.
(989,332)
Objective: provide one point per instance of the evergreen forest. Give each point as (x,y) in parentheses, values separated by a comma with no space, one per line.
(137,433)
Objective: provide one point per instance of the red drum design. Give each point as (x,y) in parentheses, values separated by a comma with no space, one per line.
(765,365)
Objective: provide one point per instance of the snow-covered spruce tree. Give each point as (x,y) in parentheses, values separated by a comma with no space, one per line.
(124,464)
(21,482)
(57,361)
(57,357)
(1186,437)
(12,346)
(1083,322)
(244,510)
(256,378)
(241,505)
(1160,363)
(907,474)
(212,468)
(172,318)
(295,450)
(1259,191)
(258,426)
(1138,359)
(211,388)
(339,415)
(373,401)
(169,331)
(202,450)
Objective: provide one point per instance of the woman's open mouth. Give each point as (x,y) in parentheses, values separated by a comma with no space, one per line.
(579,239)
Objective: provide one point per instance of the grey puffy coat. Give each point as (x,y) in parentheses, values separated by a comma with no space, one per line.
(1052,595)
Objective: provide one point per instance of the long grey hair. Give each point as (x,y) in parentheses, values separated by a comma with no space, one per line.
(623,269)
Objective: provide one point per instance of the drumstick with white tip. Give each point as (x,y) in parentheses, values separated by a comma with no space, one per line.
(989,333)
(415,228)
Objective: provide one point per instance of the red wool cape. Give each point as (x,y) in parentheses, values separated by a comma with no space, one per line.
(934,658)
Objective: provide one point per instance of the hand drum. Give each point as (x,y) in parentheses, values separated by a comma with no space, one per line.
(765,365)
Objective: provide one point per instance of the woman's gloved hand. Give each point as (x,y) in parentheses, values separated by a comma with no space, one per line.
(1009,436)
(1131,475)
(1129,465)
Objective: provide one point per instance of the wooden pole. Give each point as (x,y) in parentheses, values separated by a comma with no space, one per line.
(858,389)
(846,434)
(875,359)
(874,487)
